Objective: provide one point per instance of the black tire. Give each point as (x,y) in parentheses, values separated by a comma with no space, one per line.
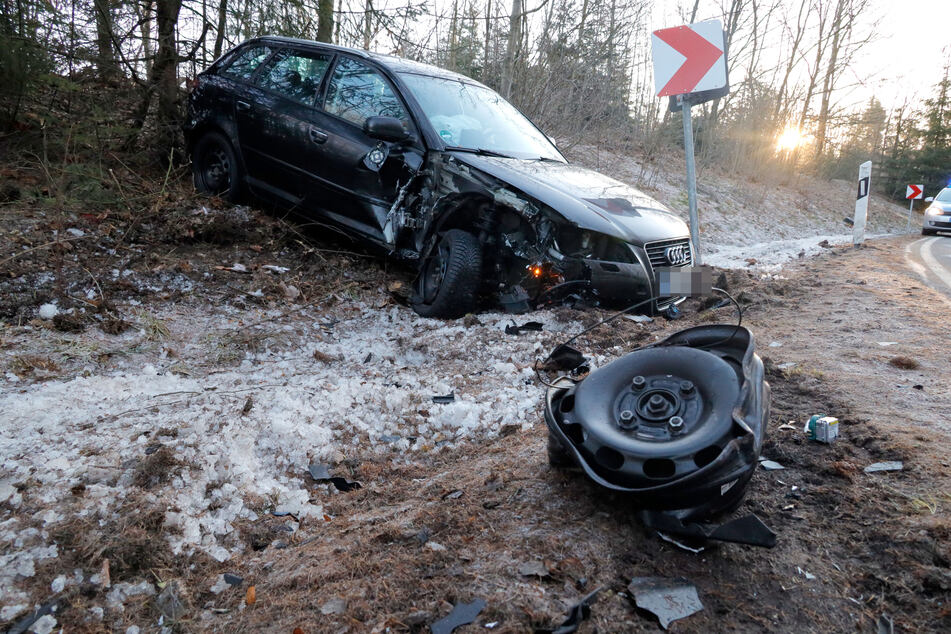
(928,232)
(449,277)
(557,455)
(215,167)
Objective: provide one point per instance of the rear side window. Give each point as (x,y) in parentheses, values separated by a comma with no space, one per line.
(244,65)
(295,75)
(358,91)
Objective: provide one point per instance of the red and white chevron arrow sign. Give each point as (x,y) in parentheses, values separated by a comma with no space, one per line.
(914,192)
(689,59)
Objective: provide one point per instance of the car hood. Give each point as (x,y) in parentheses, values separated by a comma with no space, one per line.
(584,197)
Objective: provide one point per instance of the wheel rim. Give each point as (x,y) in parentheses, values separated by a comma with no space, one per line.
(216,169)
(434,273)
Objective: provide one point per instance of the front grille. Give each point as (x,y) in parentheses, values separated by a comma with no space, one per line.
(942,224)
(656,251)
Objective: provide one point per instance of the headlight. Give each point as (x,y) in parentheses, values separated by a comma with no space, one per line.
(934,210)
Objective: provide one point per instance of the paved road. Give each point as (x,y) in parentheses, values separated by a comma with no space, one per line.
(931,259)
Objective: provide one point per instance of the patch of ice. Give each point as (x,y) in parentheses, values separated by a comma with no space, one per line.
(48,311)
(43,625)
(10,612)
(78,233)
(58,584)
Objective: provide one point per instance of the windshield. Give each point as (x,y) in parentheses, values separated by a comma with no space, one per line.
(476,118)
(944,196)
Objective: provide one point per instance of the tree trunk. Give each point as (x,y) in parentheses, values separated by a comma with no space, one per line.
(165,75)
(220,29)
(515,38)
(106,61)
(325,20)
(828,82)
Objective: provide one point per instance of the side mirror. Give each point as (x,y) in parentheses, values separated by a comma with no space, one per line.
(388,129)
(929,199)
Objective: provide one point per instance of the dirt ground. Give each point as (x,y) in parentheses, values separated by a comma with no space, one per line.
(430,529)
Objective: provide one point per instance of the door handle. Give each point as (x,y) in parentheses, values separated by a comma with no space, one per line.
(242,106)
(317,136)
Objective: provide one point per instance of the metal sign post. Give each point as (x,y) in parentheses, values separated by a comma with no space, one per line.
(913,193)
(691,181)
(690,67)
(861,204)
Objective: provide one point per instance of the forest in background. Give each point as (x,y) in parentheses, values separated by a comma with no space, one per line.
(89,81)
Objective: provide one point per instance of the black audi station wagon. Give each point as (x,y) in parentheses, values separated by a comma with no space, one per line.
(431,166)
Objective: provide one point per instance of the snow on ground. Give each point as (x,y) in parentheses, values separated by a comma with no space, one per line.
(249,431)
(770,222)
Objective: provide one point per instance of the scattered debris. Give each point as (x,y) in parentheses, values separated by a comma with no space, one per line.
(904,363)
(770,465)
(170,602)
(529,326)
(886,625)
(775,344)
(668,599)
(891,465)
(321,473)
(232,580)
(442,400)
(577,613)
(808,575)
(273,268)
(248,404)
(452,495)
(334,606)
(683,545)
(462,614)
(534,569)
(822,428)
(250,596)
(564,357)
(640,319)
(885,344)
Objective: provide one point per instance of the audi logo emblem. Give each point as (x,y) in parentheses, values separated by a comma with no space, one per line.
(677,255)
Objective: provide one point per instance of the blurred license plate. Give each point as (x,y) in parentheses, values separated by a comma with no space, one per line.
(693,281)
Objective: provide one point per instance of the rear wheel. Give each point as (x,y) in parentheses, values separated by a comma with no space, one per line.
(449,277)
(215,167)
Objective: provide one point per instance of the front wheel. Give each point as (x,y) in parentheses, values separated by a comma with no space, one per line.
(449,277)
(215,167)
(928,232)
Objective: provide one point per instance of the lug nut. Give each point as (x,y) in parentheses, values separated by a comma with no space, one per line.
(656,403)
(686,387)
(626,420)
(675,424)
(638,382)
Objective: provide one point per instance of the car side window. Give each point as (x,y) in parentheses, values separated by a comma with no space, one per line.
(295,74)
(244,65)
(358,91)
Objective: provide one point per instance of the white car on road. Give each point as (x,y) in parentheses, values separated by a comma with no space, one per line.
(938,215)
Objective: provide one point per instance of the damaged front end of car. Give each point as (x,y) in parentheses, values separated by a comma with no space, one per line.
(593,242)
(677,427)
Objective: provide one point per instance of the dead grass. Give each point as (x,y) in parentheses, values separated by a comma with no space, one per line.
(904,363)
(156,468)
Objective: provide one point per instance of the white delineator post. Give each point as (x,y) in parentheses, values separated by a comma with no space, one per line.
(861,204)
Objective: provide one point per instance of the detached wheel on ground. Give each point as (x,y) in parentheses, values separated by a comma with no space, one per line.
(215,167)
(449,278)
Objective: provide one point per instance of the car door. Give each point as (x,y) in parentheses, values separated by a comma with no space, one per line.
(362,176)
(276,124)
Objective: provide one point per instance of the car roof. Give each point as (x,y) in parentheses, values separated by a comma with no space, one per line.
(393,63)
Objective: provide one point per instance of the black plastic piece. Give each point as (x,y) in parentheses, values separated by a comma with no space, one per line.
(462,614)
